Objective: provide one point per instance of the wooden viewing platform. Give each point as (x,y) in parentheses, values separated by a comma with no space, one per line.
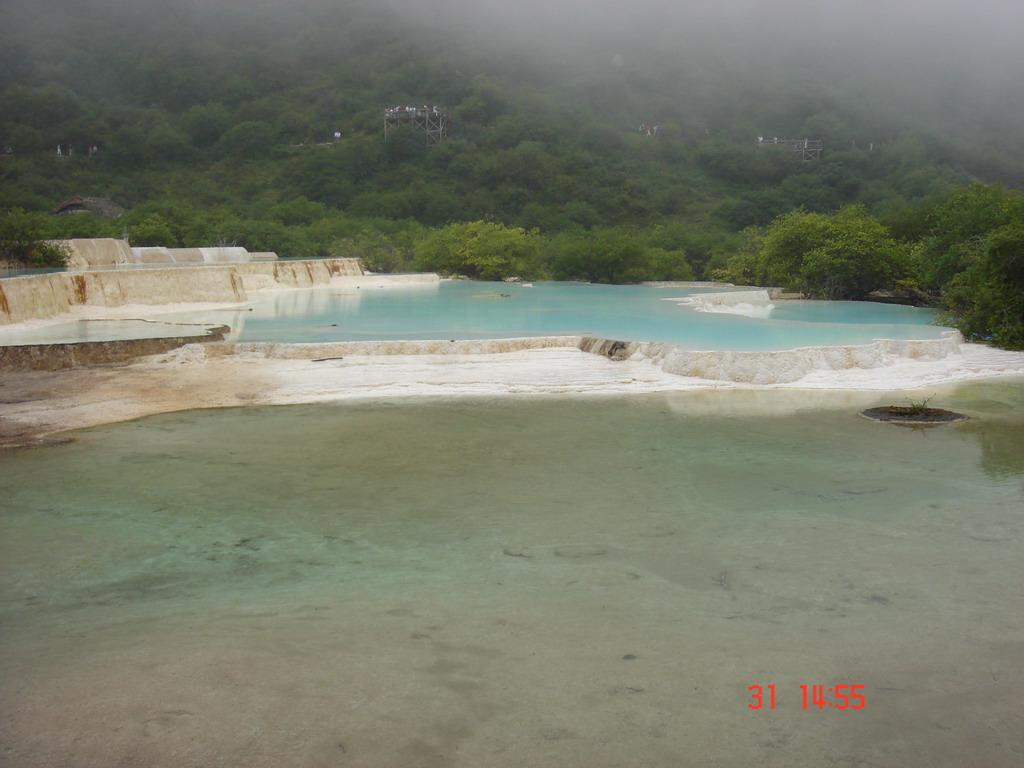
(809,149)
(433,121)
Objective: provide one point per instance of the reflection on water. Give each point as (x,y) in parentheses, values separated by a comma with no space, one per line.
(1000,430)
(1001,450)
(586,581)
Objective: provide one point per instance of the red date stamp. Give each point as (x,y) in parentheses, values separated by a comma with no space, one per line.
(813,696)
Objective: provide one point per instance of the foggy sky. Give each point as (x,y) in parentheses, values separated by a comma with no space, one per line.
(982,24)
(915,44)
(976,33)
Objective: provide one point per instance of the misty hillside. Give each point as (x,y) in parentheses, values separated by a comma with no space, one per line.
(217,120)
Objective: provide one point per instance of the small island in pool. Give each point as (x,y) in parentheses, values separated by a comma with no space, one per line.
(913,414)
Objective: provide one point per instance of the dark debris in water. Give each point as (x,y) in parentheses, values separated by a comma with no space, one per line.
(910,414)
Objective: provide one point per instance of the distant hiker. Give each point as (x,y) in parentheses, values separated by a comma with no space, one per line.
(58,150)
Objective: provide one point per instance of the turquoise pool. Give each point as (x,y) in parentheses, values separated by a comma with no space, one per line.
(471,310)
(461,310)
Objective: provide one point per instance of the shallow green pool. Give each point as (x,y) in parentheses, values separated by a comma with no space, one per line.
(588,581)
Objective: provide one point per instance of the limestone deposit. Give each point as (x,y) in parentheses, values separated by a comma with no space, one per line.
(91,253)
(36,297)
(96,252)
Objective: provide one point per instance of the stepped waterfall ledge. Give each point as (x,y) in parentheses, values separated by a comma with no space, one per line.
(37,297)
(91,253)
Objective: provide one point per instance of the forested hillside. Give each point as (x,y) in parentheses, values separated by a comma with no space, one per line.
(216,123)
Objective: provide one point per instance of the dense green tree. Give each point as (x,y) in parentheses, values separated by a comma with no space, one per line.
(856,257)
(606,255)
(205,124)
(81,225)
(485,103)
(248,139)
(481,249)
(168,145)
(986,299)
(26,140)
(152,230)
(746,163)
(668,265)
(753,208)
(48,108)
(298,210)
(22,242)
(377,251)
(958,227)
(405,144)
(262,235)
(846,255)
(811,192)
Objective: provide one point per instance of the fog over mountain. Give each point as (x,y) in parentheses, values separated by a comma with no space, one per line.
(926,62)
(949,72)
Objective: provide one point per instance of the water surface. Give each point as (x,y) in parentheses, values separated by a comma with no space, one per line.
(476,310)
(508,582)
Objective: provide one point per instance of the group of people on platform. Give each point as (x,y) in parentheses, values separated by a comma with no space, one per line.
(413,111)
